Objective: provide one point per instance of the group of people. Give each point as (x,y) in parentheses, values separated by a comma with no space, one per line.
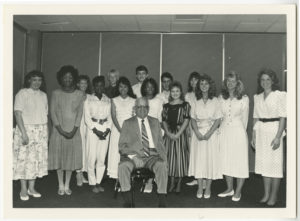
(198,134)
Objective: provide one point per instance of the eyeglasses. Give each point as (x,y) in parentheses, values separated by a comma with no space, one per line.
(140,107)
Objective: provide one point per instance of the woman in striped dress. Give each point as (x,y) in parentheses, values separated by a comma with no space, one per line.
(175,118)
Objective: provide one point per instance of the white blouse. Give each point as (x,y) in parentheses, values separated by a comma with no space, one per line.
(155,108)
(98,109)
(164,95)
(33,104)
(273,106)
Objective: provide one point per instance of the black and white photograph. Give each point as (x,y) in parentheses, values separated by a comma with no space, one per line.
(127,109)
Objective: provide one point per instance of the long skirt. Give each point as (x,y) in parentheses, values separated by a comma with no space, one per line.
(31,161)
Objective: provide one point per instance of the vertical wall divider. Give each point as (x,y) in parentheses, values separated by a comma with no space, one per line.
(160,61)
(223,57)
(100,53)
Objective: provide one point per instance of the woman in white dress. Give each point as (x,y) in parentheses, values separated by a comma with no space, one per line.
(83,84)
(192,84)
(121,109)
(269,124)
(233,135)
(149,90)
(206,117)
(190,97)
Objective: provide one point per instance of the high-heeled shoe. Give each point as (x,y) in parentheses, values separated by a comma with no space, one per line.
(35,195)
(231,193)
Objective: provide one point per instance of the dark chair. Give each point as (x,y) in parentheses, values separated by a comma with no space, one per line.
(137,174)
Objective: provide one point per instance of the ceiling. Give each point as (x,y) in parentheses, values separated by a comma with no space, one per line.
(154,23)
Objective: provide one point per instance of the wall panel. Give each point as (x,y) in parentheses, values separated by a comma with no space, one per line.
(185,53)
(78,49)
(126,51)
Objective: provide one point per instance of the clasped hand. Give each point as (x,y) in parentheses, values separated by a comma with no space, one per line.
(100,134)
(67,135)
(203,137)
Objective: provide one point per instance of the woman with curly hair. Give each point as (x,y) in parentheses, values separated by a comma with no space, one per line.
(149,90)
(269,124)
(65,150)
(233,135)
(30,146)
(84,85)
(205,149)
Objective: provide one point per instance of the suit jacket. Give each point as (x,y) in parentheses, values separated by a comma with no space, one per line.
(130,141)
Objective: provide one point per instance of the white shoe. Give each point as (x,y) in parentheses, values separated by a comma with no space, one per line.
(231,193)
(148,188)
(24,198)
(206,196)
(236,199)
(192,183)
(35,195)
(199,196)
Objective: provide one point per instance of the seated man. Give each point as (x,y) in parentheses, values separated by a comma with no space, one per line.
(141,145)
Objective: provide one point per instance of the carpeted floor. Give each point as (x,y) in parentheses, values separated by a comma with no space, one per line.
(83,197)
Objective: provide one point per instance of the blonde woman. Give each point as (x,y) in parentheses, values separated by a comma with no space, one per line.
(233,135)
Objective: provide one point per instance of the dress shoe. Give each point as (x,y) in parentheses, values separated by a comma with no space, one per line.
(100,188)
(68,191)
(236,199)
(127,199)
(231,193)
(192,183)
(61,192)
(199,195)
(162,202)
(24,198)
(206,196)
(148,188)
(35,195)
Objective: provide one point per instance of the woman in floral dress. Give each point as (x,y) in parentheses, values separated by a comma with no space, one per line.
(30,146)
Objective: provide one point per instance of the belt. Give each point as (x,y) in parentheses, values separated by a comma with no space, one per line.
(268,119)
(100,121)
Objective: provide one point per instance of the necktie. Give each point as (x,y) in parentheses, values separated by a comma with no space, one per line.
(145,140)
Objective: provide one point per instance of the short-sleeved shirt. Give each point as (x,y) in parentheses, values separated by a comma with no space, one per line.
(33,104)
(164,95)
(156,106)
(174,115)
(273,106)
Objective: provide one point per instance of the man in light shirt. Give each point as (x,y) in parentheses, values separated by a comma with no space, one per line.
(141,145)
(141,74)
(166,81)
